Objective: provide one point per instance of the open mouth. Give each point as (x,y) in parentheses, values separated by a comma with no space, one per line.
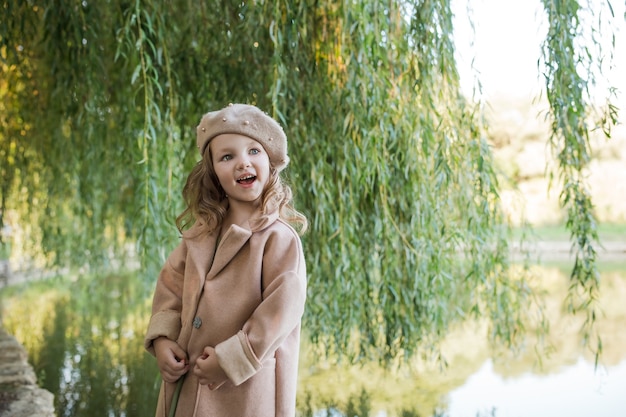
(248,179)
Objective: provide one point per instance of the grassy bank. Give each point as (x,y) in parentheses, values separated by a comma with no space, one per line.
(607,232)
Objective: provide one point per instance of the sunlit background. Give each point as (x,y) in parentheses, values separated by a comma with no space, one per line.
(88,334)
(503,52)
(504,47)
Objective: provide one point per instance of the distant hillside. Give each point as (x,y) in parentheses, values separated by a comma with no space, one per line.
(519,136)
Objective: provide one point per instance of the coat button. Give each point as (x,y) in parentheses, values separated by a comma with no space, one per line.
(197,322)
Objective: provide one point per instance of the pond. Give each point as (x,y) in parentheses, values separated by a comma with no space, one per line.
(84,339)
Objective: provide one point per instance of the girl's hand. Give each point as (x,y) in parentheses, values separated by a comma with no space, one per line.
(208,370)
(171,359)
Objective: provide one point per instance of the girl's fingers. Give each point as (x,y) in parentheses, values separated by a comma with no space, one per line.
(176,370)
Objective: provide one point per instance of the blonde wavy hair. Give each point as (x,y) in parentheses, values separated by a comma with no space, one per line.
(204,198)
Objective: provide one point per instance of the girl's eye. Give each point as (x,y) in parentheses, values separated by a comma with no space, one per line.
(227,157)
(254,151)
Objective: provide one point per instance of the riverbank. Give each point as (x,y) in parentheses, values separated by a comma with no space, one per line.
(561,250)
(20,396)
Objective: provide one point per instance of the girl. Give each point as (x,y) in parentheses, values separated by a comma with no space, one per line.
(225,324)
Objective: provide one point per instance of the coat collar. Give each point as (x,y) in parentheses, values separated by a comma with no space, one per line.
(209,256)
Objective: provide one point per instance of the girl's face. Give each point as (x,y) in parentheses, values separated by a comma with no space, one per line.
(242,167)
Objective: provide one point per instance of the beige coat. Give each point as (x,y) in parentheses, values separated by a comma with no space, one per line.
(246,299)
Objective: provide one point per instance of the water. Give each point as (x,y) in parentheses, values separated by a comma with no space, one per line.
(84,338)
(578,390)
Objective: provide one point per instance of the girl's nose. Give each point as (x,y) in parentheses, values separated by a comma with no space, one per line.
(244,162)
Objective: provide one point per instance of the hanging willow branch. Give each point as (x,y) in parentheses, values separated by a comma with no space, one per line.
(570,74)
(412,177)
(390,163)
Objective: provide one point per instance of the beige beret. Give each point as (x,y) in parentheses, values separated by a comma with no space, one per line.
(249,121)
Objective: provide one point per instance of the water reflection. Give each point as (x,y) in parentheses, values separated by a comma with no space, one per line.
(84,338)
(450,393)
(84,341)
(577,390)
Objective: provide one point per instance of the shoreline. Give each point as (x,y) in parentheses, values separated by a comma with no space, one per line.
(20,394)
(538,252)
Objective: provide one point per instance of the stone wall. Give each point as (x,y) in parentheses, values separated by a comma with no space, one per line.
(19,394)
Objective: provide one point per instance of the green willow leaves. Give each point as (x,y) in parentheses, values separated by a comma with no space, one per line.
(571,69)
(390,162)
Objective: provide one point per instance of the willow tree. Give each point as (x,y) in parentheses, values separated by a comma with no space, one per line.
(390,162)
(571,70)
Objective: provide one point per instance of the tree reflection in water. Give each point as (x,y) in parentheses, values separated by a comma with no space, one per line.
(85,340)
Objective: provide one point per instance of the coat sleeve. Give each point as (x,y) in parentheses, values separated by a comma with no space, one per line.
(280,312)
(167,299)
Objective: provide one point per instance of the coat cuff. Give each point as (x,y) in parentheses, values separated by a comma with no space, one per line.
(237,359)
(163,323)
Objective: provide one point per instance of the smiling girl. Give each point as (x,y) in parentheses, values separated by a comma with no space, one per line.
(225,324)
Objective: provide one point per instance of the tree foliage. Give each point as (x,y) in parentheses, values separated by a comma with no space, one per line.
(571,69)
(389,161)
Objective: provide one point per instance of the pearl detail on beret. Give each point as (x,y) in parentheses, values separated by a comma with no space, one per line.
(247,120)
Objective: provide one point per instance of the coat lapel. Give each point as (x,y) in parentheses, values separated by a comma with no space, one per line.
(232,241)
(201,249)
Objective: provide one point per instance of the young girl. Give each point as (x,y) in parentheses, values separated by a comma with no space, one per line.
(225,325)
